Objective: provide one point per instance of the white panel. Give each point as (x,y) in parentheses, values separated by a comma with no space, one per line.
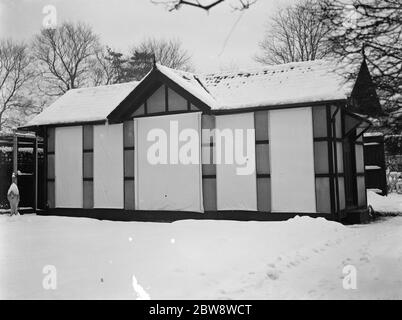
(173,185)
(108,166)
(342,203)
(292,160)
(236,191)
(361,190)
(359,158)
(339,151)
(68,167)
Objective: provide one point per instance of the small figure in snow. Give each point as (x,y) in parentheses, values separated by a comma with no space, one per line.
(13,196)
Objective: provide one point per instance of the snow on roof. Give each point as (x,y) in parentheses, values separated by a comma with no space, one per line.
(291,83)
(189,82)
(373,134)
(84,105)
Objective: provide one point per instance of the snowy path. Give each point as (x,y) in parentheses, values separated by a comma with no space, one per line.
(374,251)
(302,258)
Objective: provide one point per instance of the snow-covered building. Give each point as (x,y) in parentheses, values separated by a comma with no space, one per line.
(127,151)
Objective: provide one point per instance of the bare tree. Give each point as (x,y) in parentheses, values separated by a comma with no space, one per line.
(139,62)
(204,5)
(109,66)
(15,73)
(376,27)
(66,56)
(102,69)
(294,33)
(168,52)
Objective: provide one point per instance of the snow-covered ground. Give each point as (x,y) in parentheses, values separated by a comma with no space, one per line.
(389,205)
(302,258)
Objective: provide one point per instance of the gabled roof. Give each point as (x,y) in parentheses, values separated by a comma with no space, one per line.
(291,83)
(191,83)
(84,105)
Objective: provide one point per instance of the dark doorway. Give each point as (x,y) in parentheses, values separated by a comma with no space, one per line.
(26,170)
(374,158)
(349,158)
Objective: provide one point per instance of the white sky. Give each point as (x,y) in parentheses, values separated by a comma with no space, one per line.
(122,23)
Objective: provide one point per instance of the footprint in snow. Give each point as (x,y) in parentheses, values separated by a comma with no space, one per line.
(294,263)
(311,292)
(273,275)
(365,259)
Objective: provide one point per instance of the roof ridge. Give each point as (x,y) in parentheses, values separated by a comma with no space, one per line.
(106,85)
(267,67)
(175,70)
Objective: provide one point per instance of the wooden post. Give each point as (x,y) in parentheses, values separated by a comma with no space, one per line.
(330,161)
(35,173)
(335,155)
(15,155)
(45,169)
